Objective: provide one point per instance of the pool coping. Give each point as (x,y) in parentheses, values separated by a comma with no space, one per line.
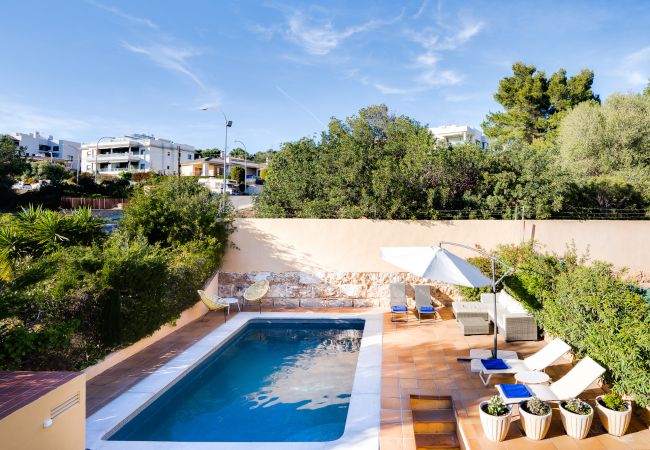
(361,427)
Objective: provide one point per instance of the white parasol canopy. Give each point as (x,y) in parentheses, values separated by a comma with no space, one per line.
(436,263)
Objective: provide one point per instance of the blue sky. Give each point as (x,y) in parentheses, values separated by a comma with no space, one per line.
(82,69)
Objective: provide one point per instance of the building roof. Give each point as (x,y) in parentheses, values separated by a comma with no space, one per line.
(18,389)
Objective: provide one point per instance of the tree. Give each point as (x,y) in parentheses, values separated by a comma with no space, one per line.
(209,153)
(239,153)
(263,157)
(534,104)
(612,140)
(237,173)
(46,170)
(12,163)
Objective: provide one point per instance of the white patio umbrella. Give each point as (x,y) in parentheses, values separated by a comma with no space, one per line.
(437,263)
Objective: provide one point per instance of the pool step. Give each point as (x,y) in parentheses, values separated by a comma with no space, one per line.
(434,422)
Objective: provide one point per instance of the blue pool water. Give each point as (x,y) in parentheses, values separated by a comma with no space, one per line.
(273,381)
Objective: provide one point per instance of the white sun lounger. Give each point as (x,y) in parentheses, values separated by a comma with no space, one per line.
(423,301)
(540,360)
(569,386)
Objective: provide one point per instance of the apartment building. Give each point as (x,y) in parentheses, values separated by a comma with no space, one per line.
(46,147)
(134,153)
(459,134)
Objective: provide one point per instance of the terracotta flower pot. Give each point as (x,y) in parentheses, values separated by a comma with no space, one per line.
(576,425)
(495,427)
(615,422)
(535,427)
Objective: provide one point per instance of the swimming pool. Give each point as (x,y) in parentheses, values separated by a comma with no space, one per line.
(276,379)
(290,381)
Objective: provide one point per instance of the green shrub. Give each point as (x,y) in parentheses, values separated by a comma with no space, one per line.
(496,407)
(175,210)
(71,295)
(577,406)
(537,407)
(598,315)
(614,402)
(485,264)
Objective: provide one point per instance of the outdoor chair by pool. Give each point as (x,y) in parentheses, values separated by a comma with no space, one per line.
(423,301)
(214,303)
(571,385)
(398,306)
(256,292)
(537,361)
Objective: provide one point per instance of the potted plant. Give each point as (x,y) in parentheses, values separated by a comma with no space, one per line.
(495,418)
(535,418)
(577,416)
(614,413)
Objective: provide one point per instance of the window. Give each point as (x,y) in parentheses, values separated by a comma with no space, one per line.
(88,153)
(189,157)
(141,165)
(167,167)
(169,154)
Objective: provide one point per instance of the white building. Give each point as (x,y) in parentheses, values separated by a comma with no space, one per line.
(210,172)
(459,134)
(41,147)
(134,153)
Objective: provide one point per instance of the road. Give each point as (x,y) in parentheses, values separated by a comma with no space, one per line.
(241,201)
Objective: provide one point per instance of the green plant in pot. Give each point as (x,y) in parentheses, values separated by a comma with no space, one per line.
(495,418)
(535,418)
(577,416)
(614,413)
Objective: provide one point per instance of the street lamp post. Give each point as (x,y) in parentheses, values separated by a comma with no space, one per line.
(228,124)
(245,154)
(96,156)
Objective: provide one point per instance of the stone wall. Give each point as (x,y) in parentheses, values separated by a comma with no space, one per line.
(328,289)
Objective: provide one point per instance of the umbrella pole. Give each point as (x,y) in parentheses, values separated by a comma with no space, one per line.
(494,295)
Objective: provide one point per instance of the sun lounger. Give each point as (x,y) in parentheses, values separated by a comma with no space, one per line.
(540,360)
(569,386)
(423,301)
(398,306)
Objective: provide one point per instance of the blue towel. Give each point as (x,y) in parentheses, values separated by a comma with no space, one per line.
(426,308)
(515,391)
(494,364)
(398,308)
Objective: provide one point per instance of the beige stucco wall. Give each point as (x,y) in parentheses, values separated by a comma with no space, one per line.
(23,429)
(332,245)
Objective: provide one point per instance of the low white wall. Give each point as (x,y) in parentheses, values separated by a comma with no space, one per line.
(333,245)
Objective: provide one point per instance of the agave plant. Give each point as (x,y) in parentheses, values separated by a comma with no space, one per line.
(13,246)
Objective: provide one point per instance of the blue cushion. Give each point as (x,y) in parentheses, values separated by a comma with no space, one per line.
(400,308)
(426,308)
(494,364)
(515,391)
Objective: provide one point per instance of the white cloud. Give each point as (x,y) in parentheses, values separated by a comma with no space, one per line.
(322,38)
(636,67)
(20,117)
(435,78)
(169,57)
(390,90)
(421,9)
(119,13)
(441,39)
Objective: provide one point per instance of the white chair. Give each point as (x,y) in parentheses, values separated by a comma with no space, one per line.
(571,385)
(539,360)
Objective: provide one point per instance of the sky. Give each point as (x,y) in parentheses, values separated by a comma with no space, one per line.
(83,69)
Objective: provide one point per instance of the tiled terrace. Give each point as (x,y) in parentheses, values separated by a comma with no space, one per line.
(417,359)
